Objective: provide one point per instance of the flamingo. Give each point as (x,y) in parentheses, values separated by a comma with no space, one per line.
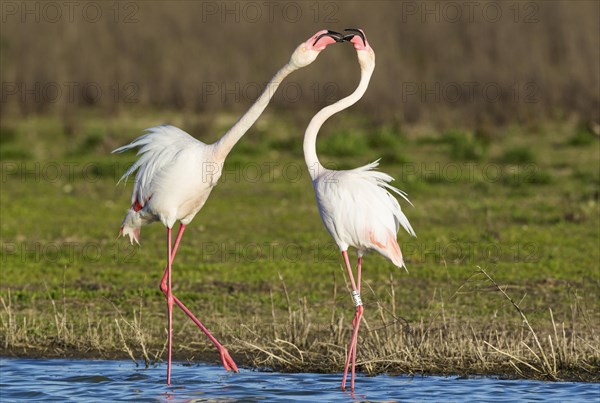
(176,173)
(357,206)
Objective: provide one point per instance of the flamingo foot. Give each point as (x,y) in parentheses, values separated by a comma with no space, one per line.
(227,360)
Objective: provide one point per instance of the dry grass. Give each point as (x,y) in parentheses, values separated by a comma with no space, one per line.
(294,340)
(441,344)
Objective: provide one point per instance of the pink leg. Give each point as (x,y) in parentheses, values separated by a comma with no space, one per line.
(355,323)
(169,305)
(226,359)
(349,356)
(358,269)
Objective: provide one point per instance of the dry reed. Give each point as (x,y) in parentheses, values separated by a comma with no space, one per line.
(444,344)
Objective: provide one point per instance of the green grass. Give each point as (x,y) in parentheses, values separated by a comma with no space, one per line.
(465,146)
(583,137)
(518,155)
(528,217)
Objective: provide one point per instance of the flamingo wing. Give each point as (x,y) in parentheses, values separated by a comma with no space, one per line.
(388,202)
(159,148)
(358,209)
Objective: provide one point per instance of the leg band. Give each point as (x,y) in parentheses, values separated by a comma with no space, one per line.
(356,298)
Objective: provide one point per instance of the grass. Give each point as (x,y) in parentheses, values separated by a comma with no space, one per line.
(464,146)
(582,137)
(503,277)
(519,155)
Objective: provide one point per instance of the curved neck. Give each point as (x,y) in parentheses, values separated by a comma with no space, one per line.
(310,136)
(224,145)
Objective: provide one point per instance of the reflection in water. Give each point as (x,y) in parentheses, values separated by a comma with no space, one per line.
(84,380)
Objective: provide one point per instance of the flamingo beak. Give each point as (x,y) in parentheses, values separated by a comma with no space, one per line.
(348,37)
(336,36)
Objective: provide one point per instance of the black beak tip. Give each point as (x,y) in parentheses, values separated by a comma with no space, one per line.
(332,34)
(357,32)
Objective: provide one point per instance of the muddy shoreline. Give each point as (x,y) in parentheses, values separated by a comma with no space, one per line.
(245,359)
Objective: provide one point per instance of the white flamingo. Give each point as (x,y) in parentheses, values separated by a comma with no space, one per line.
(176,173)
(356,205)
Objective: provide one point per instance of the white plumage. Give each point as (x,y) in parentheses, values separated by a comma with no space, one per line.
(357,206)
(176,173)
(168,156)
(358,210)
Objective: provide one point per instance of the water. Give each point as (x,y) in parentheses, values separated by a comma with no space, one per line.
(85,380)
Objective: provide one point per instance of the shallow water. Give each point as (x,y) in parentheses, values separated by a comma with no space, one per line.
(101,380)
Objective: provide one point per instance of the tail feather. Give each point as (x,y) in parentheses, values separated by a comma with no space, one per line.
(132,226)
(383,180)
(133,232)
(388,248)
(394,252)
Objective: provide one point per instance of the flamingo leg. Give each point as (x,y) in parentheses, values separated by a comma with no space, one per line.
(355,322)
(226,359)
(169,304)
(358,269)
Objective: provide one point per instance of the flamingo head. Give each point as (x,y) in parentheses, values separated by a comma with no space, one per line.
(366,55)
(308,51)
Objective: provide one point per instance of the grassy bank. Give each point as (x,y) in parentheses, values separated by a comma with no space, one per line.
(503,277)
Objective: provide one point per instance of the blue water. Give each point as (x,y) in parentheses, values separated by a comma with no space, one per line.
(85,380)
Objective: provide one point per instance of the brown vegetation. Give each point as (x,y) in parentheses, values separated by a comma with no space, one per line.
(442,344)
(492,63)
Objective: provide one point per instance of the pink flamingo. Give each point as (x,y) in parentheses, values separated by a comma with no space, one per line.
(356,205)
(176,173)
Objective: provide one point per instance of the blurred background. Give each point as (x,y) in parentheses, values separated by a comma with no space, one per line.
(451,64)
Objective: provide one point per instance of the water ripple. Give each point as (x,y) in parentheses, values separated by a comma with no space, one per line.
(85,380)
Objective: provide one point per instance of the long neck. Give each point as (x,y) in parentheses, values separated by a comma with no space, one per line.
(224,145)
(310,136)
